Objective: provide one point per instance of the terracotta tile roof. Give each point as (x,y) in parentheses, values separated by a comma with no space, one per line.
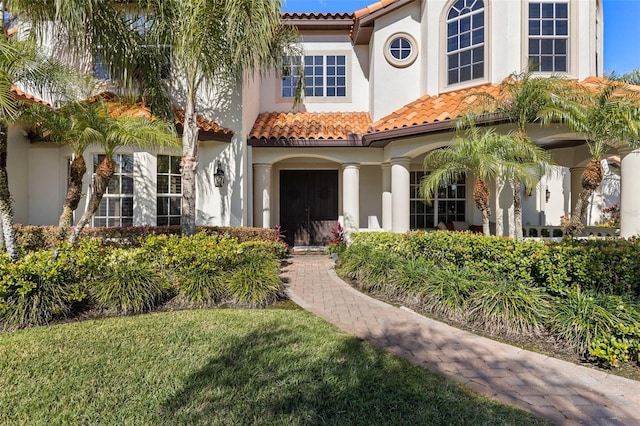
(431,109)
(310,125)
(140,109)
(24,96)
(372,8)
(203,124)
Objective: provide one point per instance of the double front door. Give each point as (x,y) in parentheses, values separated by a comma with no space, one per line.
(308,206)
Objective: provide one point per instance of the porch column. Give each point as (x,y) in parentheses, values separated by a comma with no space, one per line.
(351,196)
(400,191)
(262,195)
(629,197)
(576,187)
(387,204)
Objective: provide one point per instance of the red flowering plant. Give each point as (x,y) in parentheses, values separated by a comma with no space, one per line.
(337,243)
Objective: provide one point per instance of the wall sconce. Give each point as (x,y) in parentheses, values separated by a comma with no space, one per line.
(547,195)
(218,176)
(454,186)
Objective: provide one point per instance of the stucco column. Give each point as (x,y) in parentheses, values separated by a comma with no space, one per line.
(629,196)
(576,187)
(400,190)
(262,195)
(387,203)
(351,196)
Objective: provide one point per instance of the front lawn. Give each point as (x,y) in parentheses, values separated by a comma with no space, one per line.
(222,367)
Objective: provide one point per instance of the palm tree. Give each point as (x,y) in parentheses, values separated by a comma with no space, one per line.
(75,124)
(213,44)
(481,153)
(20,63)
(610,118)
(112,130)
(524,99)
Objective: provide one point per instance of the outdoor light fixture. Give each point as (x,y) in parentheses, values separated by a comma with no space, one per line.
(547,195)
(218,176)
(454,186)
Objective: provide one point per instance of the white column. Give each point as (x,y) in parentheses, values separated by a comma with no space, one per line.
(400,191)
(629,195)
(576,188)
(262,195)
(387,202)
(351,196)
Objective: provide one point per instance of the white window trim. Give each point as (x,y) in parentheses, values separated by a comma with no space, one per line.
(572,63)
(401,63)
(443,72)
(467,209)
(324,99)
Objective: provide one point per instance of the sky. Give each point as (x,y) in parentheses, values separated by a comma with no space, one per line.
(621,27)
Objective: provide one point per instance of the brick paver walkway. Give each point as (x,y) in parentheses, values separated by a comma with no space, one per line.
(560,391)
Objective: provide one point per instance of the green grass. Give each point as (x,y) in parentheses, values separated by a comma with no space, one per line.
(222,367)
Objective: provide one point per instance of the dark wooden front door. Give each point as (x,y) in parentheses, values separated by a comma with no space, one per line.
(308,206)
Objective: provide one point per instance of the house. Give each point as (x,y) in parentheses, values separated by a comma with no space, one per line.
(382,87)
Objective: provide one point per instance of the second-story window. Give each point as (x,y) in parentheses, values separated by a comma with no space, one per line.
(324,76)
(549,36)
(465,41)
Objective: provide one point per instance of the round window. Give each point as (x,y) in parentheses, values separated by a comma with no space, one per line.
(401,50)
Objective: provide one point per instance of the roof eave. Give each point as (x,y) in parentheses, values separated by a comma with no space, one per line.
(363,24)
(351,141)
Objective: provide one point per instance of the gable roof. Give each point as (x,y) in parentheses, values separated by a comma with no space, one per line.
(332,128)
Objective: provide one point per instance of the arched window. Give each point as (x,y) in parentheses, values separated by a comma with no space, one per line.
(465,41)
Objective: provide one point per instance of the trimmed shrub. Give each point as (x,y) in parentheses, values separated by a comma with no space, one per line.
(277,249)
(37,289)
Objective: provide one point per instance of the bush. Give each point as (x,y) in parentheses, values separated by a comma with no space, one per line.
(129,284)
(256,280)
(622,345)
(447,288)
(37,289)
(509,307)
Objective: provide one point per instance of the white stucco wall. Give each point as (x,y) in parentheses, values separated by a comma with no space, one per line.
(18,169)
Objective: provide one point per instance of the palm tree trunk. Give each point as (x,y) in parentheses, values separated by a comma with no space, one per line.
(499,221)
(517,209)
(6,208)
(481,195)
(189,167)
(591,179)
(77,169)
(104,174)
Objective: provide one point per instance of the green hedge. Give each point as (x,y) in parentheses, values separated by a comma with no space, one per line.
(584,292)
(202,270)
(610,266)
(32,238)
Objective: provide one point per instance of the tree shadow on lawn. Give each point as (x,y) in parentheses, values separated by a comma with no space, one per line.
(295,375)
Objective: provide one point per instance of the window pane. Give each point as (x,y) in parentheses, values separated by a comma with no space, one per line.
(546,63)
(331,91)
(342,91)
(127,185)
(534,27)
(113,207)
(547,10)
(478,71)
(175,220)
(163,184)
(465,40)
(127,207)
(127,163)
(342,60)
(562,28)
(465,58)
(562,10)
(560,47)
(465,73)
(100,222)
(453,76)
(163,164)
(546,46)
(534,46)
(114,185)
(452,28)
(176,185)
(175,206)
(534,10)
(478,37)
(561,64)
(127,221)
(162,221)
(478,54)
(465,24)
(163,206)
(175,165)
(102,208)
(547,28)
(452,44)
